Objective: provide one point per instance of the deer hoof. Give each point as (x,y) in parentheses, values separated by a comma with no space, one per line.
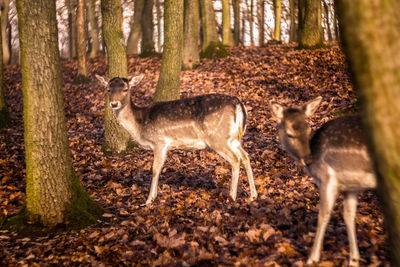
(353,263)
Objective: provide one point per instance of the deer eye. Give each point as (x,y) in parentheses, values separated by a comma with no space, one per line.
(290,136)
(125,90)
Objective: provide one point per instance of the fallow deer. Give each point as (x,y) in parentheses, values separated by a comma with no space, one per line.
(216,121)
(336,157)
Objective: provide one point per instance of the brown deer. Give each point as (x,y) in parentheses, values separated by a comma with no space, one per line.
(336,157)
(216,121)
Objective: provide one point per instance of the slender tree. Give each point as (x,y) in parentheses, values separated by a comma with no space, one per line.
(327,24)
(227,36)
(191,34)
(261,22)
(371,33)
(116,139)
(278,18)
(136,29)
(4,26)
(236,23)
(310,26)
(4,115)
(293,24)
(250,6)
(53,191)
(81,42)
(71,6)
(168,86)
(159,28)
(147,46)
(94,28)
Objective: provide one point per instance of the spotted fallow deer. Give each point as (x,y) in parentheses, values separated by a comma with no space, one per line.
(336,157)
(216,121)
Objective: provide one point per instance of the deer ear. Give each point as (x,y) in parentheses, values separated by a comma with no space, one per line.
(311,106)
(276,110)
(135,80)
(102,80)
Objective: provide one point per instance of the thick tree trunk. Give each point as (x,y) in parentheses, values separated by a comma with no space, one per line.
(310,26)
(168,86)
(94,29)
(236,23)
(208,23)
(53,192)
(191,34)
(261,22)
(81,41)
(227,36)
(4,35)
(4,115)
(293,24)
(147,29)
(116,139)
(371,34)
(71,5)
(278,18)
(136,29)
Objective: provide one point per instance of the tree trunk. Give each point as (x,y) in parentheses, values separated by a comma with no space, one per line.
(261,22)
(71,6)
(81,41)
(293,24)
(116,139)
(310,26)
(326,9)
(136,29)
(168,86)
(53,191)
(236,24)
(227,36)
(208,23)
(251,22)
(94,29)
(148,29)
(4,115)
(191,34)
(278,18)
(371,33)
(159,28)
(4,35)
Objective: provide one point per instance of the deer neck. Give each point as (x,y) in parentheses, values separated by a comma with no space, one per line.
(127,117)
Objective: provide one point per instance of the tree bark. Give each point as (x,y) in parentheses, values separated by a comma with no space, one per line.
(4,35)
(136,29)
(191,34)
(310,26)
(53,191)
(293,24)
(4,114)
(81,42)
(94,28)
(371,33)
(208,24)
(71,6)
(168,86)
(148,48)
(227,36)
(278,18)
(261,22)
(116,139)
(236,24)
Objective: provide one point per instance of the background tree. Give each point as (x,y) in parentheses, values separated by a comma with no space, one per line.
(371,33)
(310,26)
(94,28)
(81,42)
(277,17)
(136,29)
(236,23)
(261,22)
(208,24)
(168,86)
(250,13)
(293,24)
(191,34)
(53,191)
(159,28)
(147,46)
(4,115)
(327,23)
(71,6)
(227,36)
(116,139)
(4,34)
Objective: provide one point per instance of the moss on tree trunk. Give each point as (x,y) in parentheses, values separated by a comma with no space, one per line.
(53,193)
(371,34)
(116,139)
(168,86)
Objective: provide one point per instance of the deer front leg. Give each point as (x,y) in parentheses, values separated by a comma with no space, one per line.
(160,154)
(349,213)
(328,194)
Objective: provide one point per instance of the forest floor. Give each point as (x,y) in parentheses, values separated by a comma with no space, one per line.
(191,222)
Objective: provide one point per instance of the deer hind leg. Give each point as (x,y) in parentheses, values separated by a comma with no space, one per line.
(349,213)
(328,194)
(246,162)
(160,154)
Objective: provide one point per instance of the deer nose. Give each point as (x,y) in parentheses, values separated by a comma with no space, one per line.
(113,104)
(307,160)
